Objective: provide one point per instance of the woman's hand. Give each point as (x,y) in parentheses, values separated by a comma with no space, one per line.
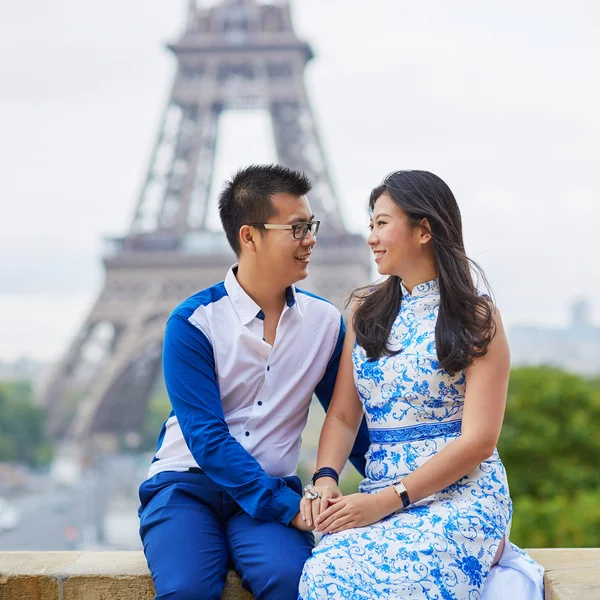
(355,510)
(327,489)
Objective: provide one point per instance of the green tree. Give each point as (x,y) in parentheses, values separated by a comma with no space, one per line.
(22,426)
(551,449)
(159,407)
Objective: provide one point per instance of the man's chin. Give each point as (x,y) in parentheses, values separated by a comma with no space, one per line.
(297,275)
(302,272)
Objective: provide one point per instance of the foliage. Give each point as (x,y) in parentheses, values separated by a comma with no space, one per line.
(349,480)
(22,426)
(562,521)
(157,412)
(550,445)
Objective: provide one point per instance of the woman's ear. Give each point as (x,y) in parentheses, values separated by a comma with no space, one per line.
(425,229)
(246,234)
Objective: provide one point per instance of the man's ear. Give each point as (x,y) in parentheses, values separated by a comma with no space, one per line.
(425,229)
(247,236)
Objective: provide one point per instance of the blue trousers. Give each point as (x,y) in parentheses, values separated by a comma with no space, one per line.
(193,531)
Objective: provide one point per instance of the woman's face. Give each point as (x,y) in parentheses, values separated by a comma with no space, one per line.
(397,247)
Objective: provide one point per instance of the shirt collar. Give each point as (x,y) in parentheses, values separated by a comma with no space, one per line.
(423,289)
(290,297)
(245,307)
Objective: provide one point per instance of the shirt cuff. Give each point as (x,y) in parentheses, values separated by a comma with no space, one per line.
(286,505)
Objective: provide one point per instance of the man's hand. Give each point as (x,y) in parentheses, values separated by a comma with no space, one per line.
(355,510)
(299,523)
(327,489)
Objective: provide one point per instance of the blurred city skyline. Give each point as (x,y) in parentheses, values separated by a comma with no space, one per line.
(499,101)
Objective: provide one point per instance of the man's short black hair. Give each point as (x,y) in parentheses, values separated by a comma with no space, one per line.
(246,198)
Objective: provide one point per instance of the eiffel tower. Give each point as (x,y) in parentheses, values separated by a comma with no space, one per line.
(239,54)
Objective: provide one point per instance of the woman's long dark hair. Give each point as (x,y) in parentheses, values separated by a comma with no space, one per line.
(465,323)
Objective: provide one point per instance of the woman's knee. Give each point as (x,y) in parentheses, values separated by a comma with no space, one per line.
(316,565)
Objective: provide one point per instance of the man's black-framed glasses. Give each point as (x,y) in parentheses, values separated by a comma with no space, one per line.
(299,229)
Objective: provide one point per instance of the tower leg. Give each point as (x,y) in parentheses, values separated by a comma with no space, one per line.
(185,204)
(131,345)
(298,147)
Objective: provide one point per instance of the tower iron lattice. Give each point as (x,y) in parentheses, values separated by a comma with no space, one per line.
(238,54)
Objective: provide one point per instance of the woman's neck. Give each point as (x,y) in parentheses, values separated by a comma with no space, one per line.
(410,280)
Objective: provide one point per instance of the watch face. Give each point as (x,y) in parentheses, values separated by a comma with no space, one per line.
(401,491)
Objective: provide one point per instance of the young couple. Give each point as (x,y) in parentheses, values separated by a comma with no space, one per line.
(242,360)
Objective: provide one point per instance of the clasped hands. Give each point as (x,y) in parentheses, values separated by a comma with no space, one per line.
(332,512)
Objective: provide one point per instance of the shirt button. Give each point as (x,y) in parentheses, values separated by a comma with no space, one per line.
(268,368)
(260,402)
(247,433)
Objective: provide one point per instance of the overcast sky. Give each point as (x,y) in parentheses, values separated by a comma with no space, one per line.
(499,99)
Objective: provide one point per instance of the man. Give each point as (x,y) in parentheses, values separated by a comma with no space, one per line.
(241,361)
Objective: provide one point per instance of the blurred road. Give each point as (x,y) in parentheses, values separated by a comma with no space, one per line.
(98,512)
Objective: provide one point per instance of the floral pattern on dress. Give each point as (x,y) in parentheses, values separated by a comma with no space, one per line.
(442,547)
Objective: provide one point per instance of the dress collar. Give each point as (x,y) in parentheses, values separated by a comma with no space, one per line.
(423,289)
(245,307)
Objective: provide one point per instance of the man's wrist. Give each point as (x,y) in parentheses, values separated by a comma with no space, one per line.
(285,506)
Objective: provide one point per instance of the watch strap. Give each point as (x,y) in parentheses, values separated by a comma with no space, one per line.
(402,493)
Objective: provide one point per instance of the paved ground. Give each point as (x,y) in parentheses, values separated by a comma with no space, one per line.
(98,512)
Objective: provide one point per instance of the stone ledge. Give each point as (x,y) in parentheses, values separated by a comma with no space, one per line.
(571,574)
(85,576)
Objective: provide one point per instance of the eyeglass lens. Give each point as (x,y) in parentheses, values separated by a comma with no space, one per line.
(301,229)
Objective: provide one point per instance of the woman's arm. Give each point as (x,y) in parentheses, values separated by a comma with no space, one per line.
(344,415)
(324,392)
(483,413)
(338,433)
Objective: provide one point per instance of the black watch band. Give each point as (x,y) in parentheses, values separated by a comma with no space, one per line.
(402,493)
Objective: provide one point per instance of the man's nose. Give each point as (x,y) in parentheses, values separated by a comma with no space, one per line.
(309,239)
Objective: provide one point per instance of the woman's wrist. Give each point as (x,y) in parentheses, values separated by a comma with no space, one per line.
(402,493)
(388,501)
(324,481)
(328,472)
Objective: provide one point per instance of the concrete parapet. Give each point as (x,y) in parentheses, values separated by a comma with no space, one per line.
(571,574)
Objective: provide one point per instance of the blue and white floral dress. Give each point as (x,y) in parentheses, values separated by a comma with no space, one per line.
(442,547)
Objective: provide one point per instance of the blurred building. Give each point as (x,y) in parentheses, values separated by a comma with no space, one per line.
(574,348)
(24,369)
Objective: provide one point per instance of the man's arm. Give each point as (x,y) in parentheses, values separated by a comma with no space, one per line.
(191,380)
(324,391)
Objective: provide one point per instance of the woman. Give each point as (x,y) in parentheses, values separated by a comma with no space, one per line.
(427,361)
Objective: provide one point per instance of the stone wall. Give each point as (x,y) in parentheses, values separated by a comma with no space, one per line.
(571,574)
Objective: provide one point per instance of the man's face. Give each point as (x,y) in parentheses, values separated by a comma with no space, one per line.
(280,256)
